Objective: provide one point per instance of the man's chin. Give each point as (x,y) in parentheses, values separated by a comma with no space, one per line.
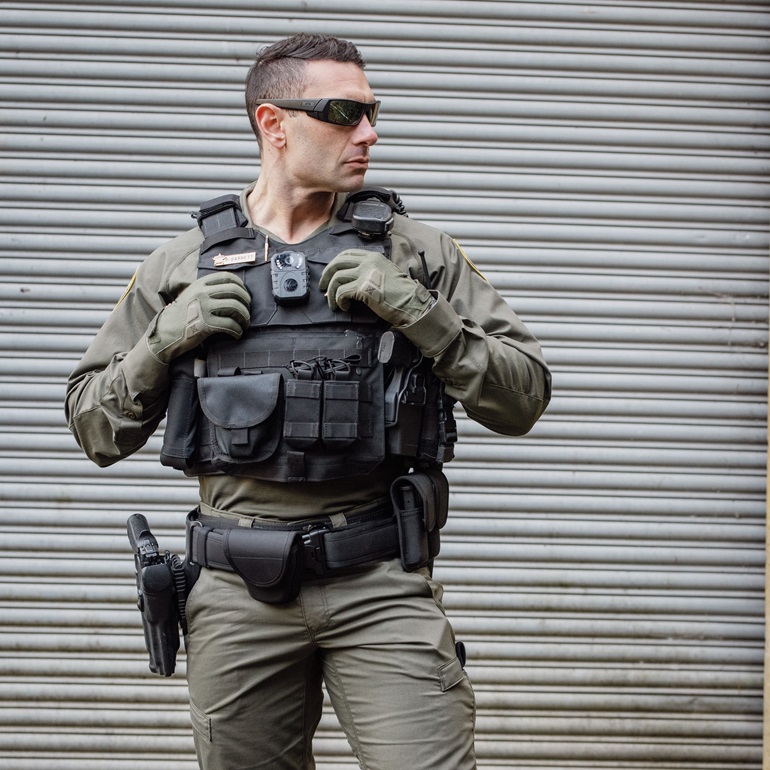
(353,183)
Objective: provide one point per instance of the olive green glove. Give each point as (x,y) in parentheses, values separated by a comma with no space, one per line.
(371,278)
(215,303)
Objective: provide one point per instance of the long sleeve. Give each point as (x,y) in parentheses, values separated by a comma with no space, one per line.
(485,355)
(118,393)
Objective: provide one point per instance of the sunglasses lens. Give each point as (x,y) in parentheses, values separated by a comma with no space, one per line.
(345,113)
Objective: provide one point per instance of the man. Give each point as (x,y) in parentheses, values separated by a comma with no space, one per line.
(316,386)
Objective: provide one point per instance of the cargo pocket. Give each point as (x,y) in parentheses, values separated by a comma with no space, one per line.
(200,722)
(450,674)
(244,414)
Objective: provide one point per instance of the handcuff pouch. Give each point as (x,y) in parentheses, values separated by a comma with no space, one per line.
(270,562)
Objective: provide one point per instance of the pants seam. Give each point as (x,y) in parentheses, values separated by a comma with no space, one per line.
(352,732)
(307,739)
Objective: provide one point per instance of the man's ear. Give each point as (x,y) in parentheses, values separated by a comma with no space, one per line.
(270,123)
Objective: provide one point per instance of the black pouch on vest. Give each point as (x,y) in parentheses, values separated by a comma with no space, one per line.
(243,415)
(421,503)
(302,422)
(340,427)
(270,562)
(181,435)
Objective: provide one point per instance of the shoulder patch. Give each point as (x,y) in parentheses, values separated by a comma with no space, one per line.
(127,289)
(467,259)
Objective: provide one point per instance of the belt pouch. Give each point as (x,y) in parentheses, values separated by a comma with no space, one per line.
(180,437)
(421,503)
(441,496)
(412,534)
(270,562)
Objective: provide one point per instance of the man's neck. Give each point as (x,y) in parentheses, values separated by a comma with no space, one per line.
(290,215)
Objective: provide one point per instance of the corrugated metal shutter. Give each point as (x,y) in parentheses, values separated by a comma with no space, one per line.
(606,165)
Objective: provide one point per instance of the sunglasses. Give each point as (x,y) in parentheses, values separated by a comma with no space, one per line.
(340,112)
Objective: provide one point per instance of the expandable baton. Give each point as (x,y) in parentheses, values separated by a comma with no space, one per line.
(157,595)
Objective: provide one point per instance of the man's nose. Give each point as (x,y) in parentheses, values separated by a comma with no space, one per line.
(364,133)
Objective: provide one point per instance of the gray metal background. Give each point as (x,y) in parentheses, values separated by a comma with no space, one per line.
(606,165)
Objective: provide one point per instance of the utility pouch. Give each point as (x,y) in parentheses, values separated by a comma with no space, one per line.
(270,562)
(421,504)
(181,434)
(243,416)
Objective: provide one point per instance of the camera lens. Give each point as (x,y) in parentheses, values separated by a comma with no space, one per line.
(288,259)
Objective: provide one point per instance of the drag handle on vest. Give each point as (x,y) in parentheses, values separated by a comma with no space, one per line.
(162,585)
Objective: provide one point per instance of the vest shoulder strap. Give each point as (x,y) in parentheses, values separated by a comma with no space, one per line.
(221,218)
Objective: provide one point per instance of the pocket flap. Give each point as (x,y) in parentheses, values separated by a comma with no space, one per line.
(239,402)
(450,674)
(259,556)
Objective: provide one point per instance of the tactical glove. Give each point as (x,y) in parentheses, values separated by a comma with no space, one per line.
(212,304)
(371,278)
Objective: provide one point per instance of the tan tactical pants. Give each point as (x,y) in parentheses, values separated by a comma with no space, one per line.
(376,636)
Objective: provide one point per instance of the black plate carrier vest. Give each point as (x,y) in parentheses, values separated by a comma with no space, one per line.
(306,394)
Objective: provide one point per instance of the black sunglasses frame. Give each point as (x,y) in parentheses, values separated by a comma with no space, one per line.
(320,108)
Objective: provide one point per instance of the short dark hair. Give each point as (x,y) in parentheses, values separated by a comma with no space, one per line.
(278,71)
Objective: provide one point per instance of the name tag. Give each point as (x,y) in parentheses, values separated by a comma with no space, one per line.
(220,260)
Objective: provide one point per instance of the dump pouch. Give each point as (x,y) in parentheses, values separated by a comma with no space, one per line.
(270,562)
(420,503)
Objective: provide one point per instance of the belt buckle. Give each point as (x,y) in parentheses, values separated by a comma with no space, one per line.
(315,556)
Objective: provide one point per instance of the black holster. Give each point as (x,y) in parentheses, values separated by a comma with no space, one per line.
(163,582)
(421,504)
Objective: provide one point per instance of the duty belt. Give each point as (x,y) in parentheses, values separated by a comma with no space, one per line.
(366,536)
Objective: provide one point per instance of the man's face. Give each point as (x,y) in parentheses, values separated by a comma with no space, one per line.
(323,157)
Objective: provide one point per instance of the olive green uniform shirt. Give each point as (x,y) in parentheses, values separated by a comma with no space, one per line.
(489,361)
